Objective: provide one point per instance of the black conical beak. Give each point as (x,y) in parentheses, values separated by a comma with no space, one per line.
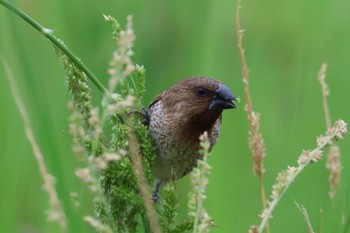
(223,99)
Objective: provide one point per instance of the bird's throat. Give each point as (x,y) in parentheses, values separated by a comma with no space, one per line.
(194,127)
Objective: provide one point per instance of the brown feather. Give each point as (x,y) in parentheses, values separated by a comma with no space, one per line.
(178,117)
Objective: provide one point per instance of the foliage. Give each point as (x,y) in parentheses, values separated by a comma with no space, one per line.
(284,51)
(103,137)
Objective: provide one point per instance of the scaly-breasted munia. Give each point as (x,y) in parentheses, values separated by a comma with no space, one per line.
(177,117)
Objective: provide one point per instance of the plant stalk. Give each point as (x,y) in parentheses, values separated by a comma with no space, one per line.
(57,42)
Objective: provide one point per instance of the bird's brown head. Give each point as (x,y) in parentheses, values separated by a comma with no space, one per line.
(197,102)
(199,95)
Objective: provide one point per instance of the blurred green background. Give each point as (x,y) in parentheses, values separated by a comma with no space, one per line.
(285,41)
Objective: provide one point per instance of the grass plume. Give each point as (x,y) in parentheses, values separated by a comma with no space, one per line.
(256,141)
(199,181)
(333,161)
(287,176)
(55,213)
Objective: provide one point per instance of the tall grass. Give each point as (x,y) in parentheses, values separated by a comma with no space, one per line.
(100,135)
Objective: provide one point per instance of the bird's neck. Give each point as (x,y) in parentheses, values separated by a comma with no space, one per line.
(195,126)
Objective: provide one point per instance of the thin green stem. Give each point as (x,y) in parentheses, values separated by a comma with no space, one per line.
(57,42)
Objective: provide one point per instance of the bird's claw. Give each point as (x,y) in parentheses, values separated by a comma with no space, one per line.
(144,114)
(155,196)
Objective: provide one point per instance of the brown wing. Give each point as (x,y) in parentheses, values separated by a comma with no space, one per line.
(156,99)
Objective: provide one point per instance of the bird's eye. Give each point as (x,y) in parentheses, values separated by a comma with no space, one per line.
(200,91)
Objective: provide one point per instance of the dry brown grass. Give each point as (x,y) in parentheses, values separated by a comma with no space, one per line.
(256,141)
(55,213)
(141,181)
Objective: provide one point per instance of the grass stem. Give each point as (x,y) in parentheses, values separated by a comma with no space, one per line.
(141,180)
(57,42)
(292,173)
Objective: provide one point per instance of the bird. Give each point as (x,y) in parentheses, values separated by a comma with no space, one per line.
(176,119)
